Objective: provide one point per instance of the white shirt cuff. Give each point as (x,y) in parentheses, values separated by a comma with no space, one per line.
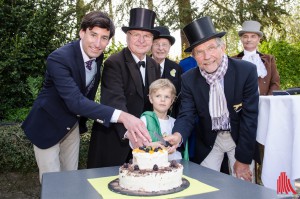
(115,116)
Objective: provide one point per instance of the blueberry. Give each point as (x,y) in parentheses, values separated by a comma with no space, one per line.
(136,167)
(155,168)
(173,163)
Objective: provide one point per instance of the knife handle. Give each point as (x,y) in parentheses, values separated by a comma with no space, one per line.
(168,144)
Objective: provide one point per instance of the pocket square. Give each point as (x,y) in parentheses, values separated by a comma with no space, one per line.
(237,107)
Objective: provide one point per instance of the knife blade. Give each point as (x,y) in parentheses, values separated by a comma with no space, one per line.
(161,139)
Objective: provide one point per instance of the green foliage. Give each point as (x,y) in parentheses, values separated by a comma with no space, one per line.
(287,60)
(17,154)
(34,85)
(16,151)
(17,114)
(27,35)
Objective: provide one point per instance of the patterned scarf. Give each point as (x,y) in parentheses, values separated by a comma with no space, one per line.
(217,102)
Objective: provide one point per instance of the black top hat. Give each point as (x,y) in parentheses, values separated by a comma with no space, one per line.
(200,31)
(141,19)
(164,33)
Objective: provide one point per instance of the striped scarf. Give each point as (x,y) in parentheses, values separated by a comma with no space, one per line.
(217,102)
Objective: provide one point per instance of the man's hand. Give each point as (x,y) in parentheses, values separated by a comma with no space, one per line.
(136,128)
(138,143)
(174,140)
(242,171)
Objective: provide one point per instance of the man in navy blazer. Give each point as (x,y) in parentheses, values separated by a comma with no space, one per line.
(223,93)
(71,81)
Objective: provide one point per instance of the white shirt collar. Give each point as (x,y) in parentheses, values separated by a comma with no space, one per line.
(136,59)
(249,52)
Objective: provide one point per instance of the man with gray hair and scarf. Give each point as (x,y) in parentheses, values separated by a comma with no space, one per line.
(223,93)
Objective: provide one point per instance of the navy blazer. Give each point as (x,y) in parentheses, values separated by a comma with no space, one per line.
(241,92)
(62,102)
(173,71)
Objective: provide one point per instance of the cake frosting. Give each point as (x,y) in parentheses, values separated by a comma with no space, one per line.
(150,171)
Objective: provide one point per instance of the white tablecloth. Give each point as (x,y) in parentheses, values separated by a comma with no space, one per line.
(279,130)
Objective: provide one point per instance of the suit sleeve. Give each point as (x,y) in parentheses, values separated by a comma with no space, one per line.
(184,122)
(275,79)
(245,148)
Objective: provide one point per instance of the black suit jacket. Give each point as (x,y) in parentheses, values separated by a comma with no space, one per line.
(62,100)
(240,87)
(173,71)
(122,88)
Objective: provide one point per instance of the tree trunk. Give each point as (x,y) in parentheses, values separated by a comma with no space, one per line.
(185,17)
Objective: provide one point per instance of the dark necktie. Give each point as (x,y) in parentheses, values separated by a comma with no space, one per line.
(141,64)
(89,64)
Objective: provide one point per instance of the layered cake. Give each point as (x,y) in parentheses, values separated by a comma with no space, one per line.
(150,171)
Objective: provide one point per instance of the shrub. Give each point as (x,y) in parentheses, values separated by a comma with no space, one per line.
(287,61)
(17,151)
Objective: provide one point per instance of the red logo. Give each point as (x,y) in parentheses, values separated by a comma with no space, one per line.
(284,184)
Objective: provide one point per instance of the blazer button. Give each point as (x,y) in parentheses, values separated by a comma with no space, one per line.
(68,128)
(100,121)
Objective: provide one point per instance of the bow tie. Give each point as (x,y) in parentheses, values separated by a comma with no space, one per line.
(89,64)
(141,63)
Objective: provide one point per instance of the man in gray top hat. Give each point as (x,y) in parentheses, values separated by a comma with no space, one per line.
(268,76)
(125,86)
(223,93)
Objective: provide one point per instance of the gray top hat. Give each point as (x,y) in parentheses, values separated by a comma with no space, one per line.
(164,33)
(141,19)
(200,31)
(251,26)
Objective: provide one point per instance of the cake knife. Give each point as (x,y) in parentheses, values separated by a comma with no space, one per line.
(161,139)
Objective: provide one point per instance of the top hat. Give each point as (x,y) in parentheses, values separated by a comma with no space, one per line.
(200,31)
(164,33)
(251,26)
(141,19)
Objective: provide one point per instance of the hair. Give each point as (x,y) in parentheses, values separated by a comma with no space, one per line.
(218,40)
(162,83)
(99,19)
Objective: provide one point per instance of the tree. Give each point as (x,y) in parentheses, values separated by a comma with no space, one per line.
(27,35)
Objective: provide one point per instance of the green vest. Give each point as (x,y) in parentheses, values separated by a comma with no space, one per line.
(154,126)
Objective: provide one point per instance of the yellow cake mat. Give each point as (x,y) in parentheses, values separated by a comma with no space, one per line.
(196,187)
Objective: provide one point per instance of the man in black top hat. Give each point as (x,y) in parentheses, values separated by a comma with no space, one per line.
(125,81)
(223,93)
(168,68)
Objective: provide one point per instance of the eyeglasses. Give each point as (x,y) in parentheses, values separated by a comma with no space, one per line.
(137,36)
(209,49)
(163,45)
